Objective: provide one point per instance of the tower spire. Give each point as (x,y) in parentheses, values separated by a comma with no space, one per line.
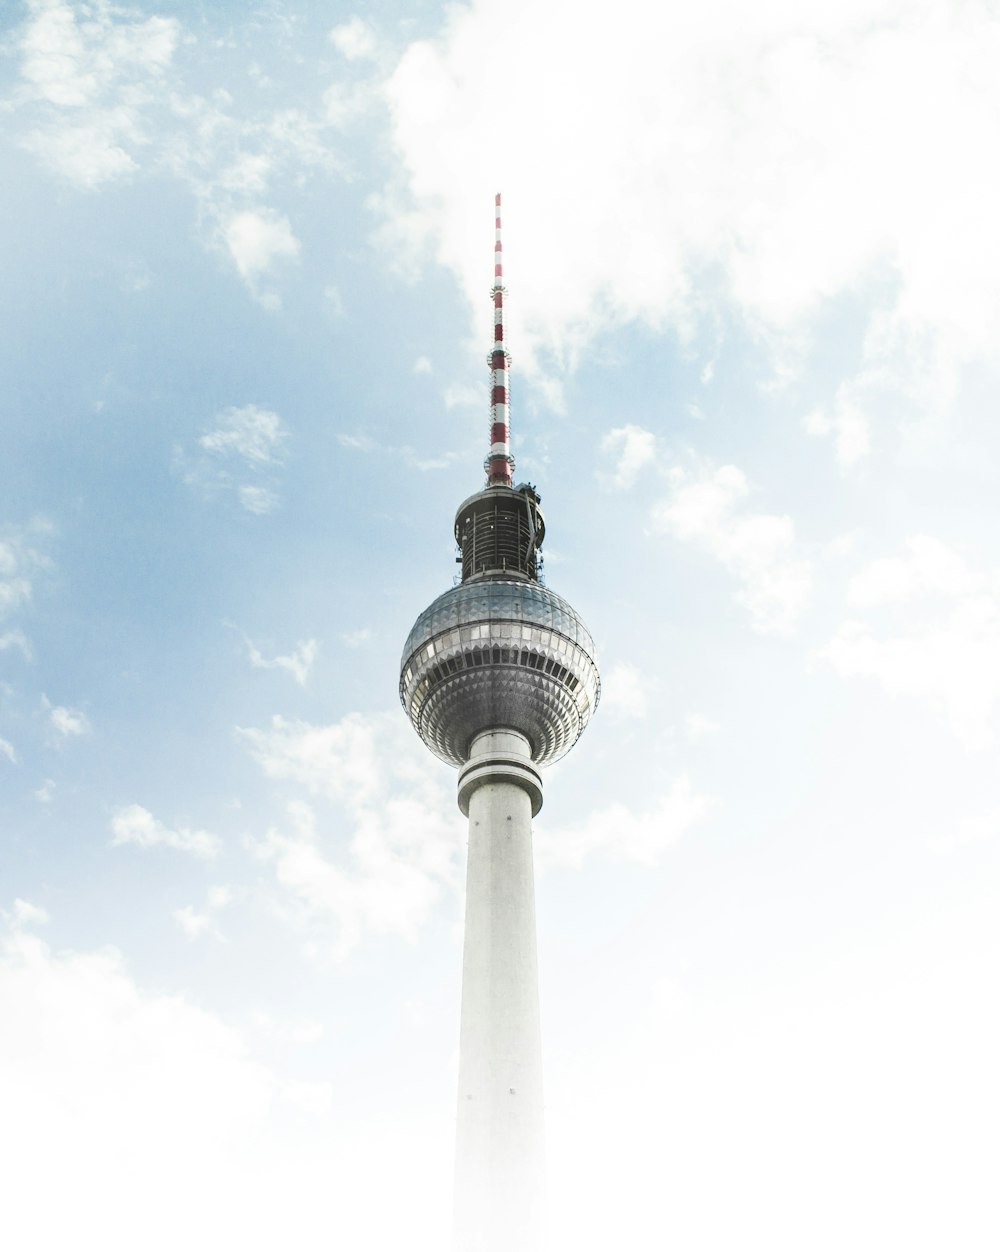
(499,465)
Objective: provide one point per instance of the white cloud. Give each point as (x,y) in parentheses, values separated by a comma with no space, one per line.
(249,173)
(94,75)
(929,569)
(107,1091)
(969,829)
(346,103)
(624,690)
(195,923)
(385,845)
(844,544)
(119,1099)
(698,727)
(24,913)
(22,557)
(624,834)
(72,63)
(463,395)
(776,155)
(46,791)
(313,1098)
(257,500)
(7,750)
(633,448)
(934,635)
(848,424)
(134,824)
(250,432)
(341,761)
(354,39)
(759,549)
(14,592)
(423,365)
(358,443)
(385,886)
(102,97)
(257,239)
(294,1032)
(334,300)
(15,639)
(297,663)
(53,54)
(404,452)
(245,439)
(68,722)
(87,155)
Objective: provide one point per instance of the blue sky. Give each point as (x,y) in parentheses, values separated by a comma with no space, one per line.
(753,272)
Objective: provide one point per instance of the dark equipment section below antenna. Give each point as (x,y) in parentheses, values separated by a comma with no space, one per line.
(500,531)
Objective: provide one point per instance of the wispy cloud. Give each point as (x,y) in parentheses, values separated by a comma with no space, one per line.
(928,569)
(624,690)
(385,851)
(24,914)
(847,423)
(16,639)
(698,727)
(624,833)
(245,440)
(134,824)
(930,631)
(354,39)
(463,396)
(298,663)
(250,432)
(104,94)
(66,722)
(965,830)
(358,443)
(196,923)
(365,443)
(629,449)
(22,557)
(708,508)
(46,791)
(93,77)
(257,500)
(257,239)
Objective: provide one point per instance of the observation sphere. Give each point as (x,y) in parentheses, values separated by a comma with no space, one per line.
(497,652)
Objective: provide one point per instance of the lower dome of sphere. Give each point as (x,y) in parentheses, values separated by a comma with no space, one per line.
(503,652)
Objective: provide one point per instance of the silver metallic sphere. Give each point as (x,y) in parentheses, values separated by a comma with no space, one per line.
(499,652)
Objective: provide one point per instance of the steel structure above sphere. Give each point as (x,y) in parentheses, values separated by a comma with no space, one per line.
(499,653)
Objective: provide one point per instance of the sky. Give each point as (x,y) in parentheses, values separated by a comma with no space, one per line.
(753,273)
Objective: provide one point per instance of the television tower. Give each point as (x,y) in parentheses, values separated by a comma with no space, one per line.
(499,677)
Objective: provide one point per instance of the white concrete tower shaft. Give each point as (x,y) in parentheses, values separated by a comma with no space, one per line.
(499,1160)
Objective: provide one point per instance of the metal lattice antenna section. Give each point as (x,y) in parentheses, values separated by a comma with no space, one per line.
(499,465)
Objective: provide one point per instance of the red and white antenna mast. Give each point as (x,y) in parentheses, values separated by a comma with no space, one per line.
(499,465)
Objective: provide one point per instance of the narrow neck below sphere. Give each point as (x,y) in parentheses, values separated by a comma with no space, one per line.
(499,1163)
